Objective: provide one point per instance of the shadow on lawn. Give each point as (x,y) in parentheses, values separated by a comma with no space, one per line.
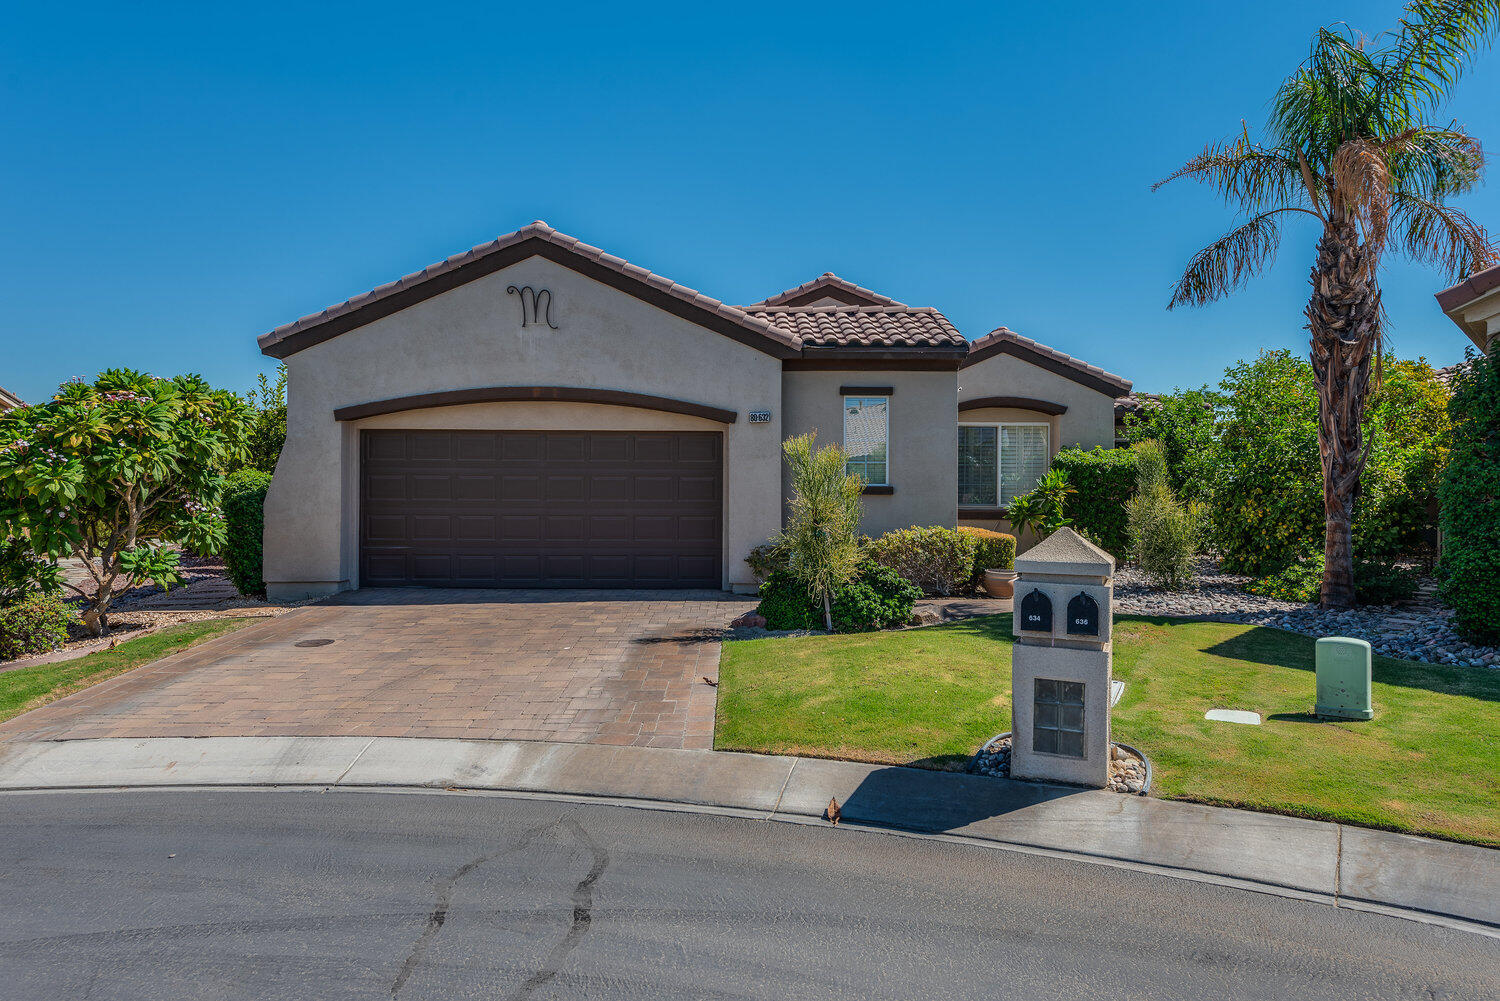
(1279,648)
(916,800)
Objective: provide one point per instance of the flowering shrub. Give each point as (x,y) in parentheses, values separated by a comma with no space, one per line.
(37,623)
(938,560)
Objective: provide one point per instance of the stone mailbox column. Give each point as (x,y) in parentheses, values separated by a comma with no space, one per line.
(1060,669)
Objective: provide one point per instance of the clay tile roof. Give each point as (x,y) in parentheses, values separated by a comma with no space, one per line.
(440,277)
(864,326)
(9,400)
(825,286)
(1002,340)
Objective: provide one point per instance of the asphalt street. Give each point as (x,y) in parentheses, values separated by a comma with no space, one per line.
(300,895)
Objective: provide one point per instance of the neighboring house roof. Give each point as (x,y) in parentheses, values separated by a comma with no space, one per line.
(538,239)
(1003,341)
(9,400)
(1453,300)
(828,286)
(1134,403)
(864,326)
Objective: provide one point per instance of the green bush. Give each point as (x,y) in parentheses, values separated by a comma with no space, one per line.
(23,573)
(36,623)
(1104,481)
(1471,503)
(786,604)
(878,598)
(766,558)
(1164,535)
(992,550)
(1375,582)
(244,513)
(936,559)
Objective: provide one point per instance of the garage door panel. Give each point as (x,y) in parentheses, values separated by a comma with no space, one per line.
(541,509)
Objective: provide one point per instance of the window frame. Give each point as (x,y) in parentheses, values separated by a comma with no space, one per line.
(865,401)
(999,458)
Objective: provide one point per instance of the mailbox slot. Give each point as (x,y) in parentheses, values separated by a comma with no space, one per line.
(1036,612)
(1083,615)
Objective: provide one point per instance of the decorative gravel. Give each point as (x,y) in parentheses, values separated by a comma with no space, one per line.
(1127,773)
(1418,632)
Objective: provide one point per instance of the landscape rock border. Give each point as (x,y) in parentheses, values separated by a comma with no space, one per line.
(1130,770)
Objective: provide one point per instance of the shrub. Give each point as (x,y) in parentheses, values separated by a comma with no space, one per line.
(1471,503)
(879,598)
(1104,481)
(1164,536)
(1043,510)
(766,558)
(938,560)
(23,574)
(992,550)
(244,511)
(786,604)
(1375,582)
(36,623)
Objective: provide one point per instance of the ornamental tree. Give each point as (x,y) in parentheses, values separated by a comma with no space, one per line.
(117,471)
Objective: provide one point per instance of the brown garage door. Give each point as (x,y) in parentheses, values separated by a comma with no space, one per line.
(540,509)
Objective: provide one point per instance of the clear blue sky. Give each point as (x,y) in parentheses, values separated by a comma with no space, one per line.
(177,181)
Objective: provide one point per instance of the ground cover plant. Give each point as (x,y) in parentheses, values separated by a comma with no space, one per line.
(1428,763)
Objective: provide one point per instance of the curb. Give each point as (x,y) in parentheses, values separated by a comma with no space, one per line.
(1413,877)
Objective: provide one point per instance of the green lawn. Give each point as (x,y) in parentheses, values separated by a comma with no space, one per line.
(1428,763)
(28,688)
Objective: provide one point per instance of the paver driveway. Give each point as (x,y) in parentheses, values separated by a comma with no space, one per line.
(614,667)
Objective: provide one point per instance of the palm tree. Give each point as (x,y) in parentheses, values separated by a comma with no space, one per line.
(1348,143)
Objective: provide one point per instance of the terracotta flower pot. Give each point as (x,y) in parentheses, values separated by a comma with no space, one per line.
(1000,583)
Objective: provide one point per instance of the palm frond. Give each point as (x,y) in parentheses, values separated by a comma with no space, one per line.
(1362,182)
(1437,42)
(1434,161)
(1229,261)
(1243,174)
(1432,233)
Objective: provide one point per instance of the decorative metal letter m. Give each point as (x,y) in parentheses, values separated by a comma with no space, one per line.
(536,305)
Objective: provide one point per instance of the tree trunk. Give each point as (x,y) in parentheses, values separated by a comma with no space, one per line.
(95,617)
(1343,317)
(827,614)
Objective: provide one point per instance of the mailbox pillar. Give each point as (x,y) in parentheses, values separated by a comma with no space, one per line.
(1060,669)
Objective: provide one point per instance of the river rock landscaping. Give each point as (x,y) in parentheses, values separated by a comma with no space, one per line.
(1127,773)
(1422,631)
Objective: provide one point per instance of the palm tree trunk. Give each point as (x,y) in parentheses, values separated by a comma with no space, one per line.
(1343,317)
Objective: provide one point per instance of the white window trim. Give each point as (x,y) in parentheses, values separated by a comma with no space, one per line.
(997,425)
(845,400)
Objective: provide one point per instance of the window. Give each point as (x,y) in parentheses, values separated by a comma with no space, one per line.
(1057,723)
(866,432)
(999,462)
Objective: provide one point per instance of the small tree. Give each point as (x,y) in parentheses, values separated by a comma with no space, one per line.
(821,537)
(114,471)
(268,423)
(1163,534)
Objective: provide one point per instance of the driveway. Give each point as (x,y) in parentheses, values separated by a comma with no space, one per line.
(609,667)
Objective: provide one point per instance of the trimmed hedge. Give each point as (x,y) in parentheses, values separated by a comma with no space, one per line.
(1470,495)
(37,623)
(1105,480)
(936,559)
(992,550)
(244,514)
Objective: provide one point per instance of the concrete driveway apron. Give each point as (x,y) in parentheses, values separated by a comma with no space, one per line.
(609,667)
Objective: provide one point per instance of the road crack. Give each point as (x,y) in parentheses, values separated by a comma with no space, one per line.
(583,911)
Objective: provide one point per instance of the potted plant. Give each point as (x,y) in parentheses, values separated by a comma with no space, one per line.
(994,561)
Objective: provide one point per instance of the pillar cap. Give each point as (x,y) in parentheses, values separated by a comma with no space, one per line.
(1066,552)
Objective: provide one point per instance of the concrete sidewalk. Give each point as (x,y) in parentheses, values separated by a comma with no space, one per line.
(1345,866)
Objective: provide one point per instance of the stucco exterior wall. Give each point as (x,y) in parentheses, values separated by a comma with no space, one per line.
(472,337)
(1088,422)
(923,446)
(1090,419)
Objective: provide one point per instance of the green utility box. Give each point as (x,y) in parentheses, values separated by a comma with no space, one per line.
(1343,678)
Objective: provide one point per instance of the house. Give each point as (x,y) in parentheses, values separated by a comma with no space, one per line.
(1474,305)
(536,412)
(9,400)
